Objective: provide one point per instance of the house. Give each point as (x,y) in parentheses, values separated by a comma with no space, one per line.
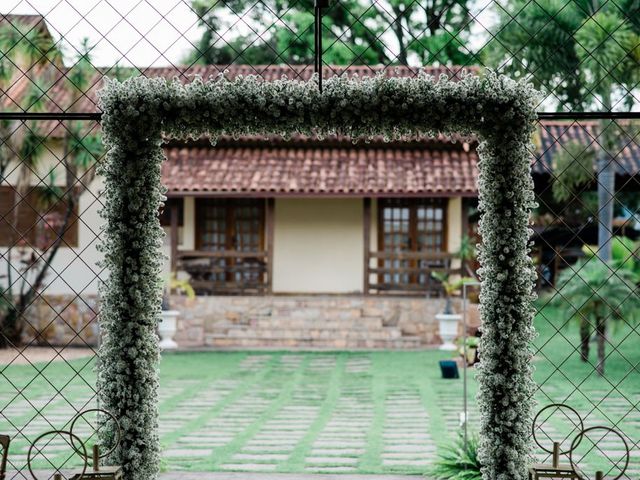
(296,243)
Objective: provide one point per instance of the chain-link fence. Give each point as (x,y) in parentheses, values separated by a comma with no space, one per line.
(226,204)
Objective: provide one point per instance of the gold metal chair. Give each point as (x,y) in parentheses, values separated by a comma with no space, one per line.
(110,472)
(555,469)
(599,475)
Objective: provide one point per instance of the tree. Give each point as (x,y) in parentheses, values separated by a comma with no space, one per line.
(593,292)
(573,177)
(33,57)
(355,32)
(585,54)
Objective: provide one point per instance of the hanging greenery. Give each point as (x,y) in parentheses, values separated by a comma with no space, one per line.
(139,112)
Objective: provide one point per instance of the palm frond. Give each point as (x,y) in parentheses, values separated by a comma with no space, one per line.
(458,461)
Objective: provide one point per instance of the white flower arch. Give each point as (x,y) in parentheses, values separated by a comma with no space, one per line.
(139,112)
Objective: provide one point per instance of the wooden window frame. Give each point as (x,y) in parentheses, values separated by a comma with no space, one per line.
(264,241)
(412,203)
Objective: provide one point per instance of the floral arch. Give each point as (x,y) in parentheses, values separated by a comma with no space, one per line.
(140,112)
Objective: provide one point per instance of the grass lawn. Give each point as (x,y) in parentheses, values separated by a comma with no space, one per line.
(360,412)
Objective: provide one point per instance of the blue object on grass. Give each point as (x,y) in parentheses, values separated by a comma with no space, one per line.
(449,369)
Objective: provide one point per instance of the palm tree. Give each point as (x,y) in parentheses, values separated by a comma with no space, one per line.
(583,53)
(594,292)
(32,57)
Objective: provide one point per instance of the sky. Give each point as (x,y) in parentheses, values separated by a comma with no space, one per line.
(128,32)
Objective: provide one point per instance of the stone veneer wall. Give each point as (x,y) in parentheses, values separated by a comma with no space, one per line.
(331,321)
(62,320)
(328,321)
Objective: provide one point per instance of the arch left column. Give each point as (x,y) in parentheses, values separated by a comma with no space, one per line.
(131,295)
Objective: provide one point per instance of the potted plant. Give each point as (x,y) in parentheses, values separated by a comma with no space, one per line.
(448,319)
(471,350)
(169,318)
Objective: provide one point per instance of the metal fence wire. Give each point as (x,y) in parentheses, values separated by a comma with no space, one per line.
(583,55)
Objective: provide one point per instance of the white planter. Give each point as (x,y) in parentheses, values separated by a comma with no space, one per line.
(167,329)
(448,329)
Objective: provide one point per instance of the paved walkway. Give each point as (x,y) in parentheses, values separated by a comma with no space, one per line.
(326,413)
(278,476)
(29,355)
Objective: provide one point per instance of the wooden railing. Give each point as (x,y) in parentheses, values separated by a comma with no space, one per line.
(406,272)
(226,272)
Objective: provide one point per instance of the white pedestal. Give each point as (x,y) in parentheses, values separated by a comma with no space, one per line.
(448,329)
(167,329)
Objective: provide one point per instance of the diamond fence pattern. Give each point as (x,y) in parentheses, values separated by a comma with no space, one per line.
(583,56)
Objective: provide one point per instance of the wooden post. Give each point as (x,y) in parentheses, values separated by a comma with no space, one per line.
(270,231)
(465,215)
(174,236)
(465,269)
(366,222)
(96,458)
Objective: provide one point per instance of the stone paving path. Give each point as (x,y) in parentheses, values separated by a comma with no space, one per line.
(277,413)
(276,476)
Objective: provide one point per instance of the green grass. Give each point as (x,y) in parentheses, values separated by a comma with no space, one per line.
(266,386)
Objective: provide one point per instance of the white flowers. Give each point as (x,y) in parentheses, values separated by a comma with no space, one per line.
(139,111)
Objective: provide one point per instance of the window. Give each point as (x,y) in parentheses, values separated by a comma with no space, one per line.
(37,220)
(412,238)
(233,231)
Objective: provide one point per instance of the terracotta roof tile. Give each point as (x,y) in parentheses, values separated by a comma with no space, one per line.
(553,135)
(335,166)
(354,170)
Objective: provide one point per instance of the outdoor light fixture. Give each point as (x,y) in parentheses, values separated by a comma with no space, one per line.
(554,470)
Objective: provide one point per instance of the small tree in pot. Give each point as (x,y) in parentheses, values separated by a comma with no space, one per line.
(448,319)
(169,321)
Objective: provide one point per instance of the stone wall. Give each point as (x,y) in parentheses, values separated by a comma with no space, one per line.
(331,321)
(328,321)
(62,320)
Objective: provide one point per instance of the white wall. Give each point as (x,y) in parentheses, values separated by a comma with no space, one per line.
(318,246)
(454,224)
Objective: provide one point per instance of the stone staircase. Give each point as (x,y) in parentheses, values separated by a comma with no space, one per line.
(323,322)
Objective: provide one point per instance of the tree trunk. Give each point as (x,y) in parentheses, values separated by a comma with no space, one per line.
(585,336)
(399,33)
(10,328)
(606,177)
(601,331)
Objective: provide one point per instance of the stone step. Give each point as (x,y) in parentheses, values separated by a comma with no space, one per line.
(302,343)
(359,323)
(241,331)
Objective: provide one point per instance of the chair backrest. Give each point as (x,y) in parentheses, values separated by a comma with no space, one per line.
(4,443)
